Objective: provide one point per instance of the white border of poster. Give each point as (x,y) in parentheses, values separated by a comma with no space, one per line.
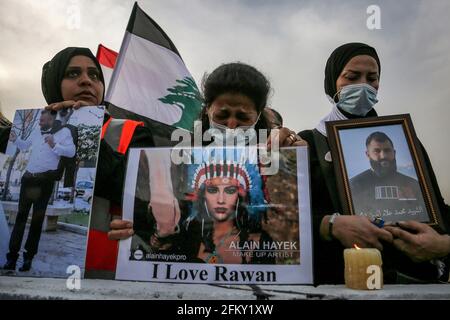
(4,229)
(220,273)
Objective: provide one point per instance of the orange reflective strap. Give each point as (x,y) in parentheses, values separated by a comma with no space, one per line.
(105,127)
(127,134)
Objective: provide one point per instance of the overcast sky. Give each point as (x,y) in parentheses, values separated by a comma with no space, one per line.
(289,41)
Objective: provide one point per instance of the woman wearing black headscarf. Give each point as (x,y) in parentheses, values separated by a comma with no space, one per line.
(351,82)
(73,79)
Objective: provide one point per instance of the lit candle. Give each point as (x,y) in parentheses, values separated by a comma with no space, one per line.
(363,268)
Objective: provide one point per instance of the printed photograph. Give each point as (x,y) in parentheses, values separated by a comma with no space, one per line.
(219,211)
(47,184)
(382,174)
(381,170)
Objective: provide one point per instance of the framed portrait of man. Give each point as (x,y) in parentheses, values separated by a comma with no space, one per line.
(380,170)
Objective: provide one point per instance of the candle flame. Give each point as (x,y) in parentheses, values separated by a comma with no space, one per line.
(356,247)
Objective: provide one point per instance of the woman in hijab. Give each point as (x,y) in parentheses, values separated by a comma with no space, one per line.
(353,70)
(73,79)
(60,88)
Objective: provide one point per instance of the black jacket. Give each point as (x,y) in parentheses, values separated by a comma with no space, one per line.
(4,137)
(328,256)
(111,168)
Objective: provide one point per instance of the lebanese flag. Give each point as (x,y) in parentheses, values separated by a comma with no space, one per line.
(150,81)
(107,59)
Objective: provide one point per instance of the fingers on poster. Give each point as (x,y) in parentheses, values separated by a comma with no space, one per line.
(216,218)
(48,172)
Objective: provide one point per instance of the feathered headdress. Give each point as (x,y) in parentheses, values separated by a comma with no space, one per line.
(240,173)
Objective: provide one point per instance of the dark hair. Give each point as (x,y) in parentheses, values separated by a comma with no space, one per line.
(53,72)
(339,59)
(378,136)
(278,117)
(52,113)
(4,122)
(241,220)
(236,77)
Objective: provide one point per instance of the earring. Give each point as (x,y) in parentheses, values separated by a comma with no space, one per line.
(207,211)
(236,214)
(337,92)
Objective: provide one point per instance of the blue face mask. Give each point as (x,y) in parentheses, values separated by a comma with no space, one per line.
(357,99)
(242,135)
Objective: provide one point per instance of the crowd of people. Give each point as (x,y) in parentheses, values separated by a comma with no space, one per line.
(235,96)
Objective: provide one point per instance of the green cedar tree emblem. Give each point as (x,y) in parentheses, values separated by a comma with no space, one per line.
(186,96)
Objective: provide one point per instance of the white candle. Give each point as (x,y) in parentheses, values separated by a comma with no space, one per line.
(363,269)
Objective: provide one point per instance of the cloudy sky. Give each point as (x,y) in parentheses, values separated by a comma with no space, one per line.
(288,40)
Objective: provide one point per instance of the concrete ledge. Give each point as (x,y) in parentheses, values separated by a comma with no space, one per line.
(73,228)
(44,288)
(38,288)
(389,292)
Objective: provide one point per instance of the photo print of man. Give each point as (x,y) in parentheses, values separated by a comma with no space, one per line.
(47,183)
(37,183)
(382,190)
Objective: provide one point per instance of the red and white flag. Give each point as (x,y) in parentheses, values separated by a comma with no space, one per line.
(107,59)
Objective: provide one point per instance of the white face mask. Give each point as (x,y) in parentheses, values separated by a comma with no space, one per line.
(241,135)
(357,99)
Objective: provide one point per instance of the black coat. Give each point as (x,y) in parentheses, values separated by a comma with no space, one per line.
(4,137)
(328,256)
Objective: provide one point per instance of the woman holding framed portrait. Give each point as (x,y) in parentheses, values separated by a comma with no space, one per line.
(352,76)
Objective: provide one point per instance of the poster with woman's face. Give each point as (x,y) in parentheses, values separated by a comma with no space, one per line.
(216,217)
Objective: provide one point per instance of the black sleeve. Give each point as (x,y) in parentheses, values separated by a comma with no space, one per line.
(443,207)
(110,173)
(320,205)
(111,168)
(4,138)
(328,255)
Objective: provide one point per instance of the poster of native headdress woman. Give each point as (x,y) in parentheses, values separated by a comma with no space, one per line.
(229,205)
(216,217)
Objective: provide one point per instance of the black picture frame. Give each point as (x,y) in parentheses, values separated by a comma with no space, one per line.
(346,194)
